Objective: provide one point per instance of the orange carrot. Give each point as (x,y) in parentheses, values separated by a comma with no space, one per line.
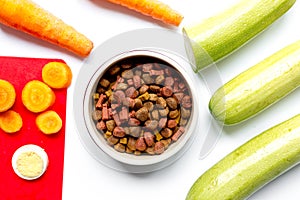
(26,16)
(153,8)
(10,121)
(49,122)
(7,95)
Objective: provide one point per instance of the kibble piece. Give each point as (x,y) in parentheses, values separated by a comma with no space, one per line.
(151,124)
(140,144)
(104,83)
(159,148)
(171,123)
(97,115)
(178,133)
(185,113)
(164,112)
(172,103)
(132,92)
(166,142)
(155,115)
(133,122)
(119,132)
(114,70)
(120,147)
(110,125)
(122,86)
(123,140)
(138,103)
(150,150)
(162,122)
(112,140)
(144,97)
(173,114)
(166,132)
(149,138)
(142,114)
(153,97)
(162,102)
(101,125)
(143,89)
(147,78)
(154,88)
(167,91)
(149,105)
(135,131)
(186,101)
(159,79)
(131,144)
(127,74)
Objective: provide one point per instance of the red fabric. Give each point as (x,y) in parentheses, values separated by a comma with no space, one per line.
(19,71)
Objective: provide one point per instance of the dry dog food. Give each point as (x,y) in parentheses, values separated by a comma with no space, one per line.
(142,105)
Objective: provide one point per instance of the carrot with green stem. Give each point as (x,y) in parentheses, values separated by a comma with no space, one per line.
(153,8)
(27,16)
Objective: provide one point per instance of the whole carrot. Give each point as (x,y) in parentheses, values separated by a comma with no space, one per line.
(27,16)
(153,8)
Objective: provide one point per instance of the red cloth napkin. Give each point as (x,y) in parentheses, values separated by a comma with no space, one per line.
(19,71)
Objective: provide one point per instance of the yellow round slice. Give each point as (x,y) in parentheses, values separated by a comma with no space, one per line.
(49,122)
(37,96)
(57,75)
(11,121)
(7,95)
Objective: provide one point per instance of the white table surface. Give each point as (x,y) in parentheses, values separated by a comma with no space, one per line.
(84,177)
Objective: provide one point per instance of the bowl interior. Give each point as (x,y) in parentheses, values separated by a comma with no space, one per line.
(100,137)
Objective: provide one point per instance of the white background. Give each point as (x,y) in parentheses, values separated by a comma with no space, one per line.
(84,177)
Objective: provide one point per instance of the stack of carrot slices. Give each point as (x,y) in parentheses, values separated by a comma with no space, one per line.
(37,97)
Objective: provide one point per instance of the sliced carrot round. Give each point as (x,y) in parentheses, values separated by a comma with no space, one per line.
(10,121)
(37,96)
(57,75)
(49,122)
(7,95)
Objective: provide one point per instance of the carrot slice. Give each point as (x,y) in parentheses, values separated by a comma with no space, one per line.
(49,122)
(10,121)
(7,95)
(37,96)
(57,75)
(153,8)
(28,17)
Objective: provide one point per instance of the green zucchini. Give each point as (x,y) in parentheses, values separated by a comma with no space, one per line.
(225,32)
(252,165)
(258,87)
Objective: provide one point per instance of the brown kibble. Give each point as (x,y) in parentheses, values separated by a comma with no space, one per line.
(153,97)
(171,123)
(129,151)
(172,103)
(173,114)
(166,132)
(169,81)
(121,86)
(119,132)
(114,70)
(159,148)
(159,79)
(147,67)
(150,150)
(140,144)
(149,138)
(164,112)
(147,78)
(120,147)
(154,88)
(138,103)
(155,115)
(97,115)
(110,125)
(151,124)
(104,83)
(128,74)
(135,131)
(123,115)
(186,101)
(166,142)
(179,96)
(149,105)
(112,140)
(105,112)
(131,144)
(132,92)
(142,114)
(126,65)
(137,153)
(162,102)
(101,125)
(167,91)
(185,113)
(143,89)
